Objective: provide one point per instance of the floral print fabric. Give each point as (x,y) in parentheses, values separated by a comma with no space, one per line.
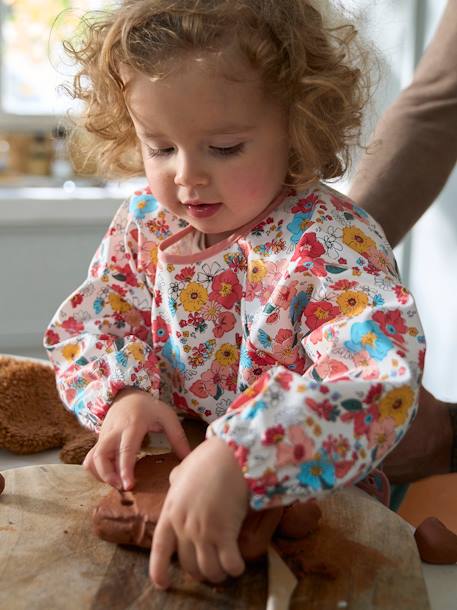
(294,339)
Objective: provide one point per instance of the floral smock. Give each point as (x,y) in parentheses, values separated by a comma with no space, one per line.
(294,338)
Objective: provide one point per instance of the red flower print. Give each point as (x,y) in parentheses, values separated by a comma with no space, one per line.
(160,330)
(284,349)
(402,294)
(240,452)
(181,403)
(392,324)
(52,338)
(284,379)
(72,326)
(308,247)
(273,435)
(320,312)
(341,204)
(296,448)
(336,446)
(325,409)
(186,274)
(374,394)
(306,204)
(224,323)
(226,289)
(283,297)
(330,369)
(363,419)
(76,299)
(158,298)
(343,285)
(125,274)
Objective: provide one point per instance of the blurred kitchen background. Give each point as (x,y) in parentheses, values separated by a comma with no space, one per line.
(52,219)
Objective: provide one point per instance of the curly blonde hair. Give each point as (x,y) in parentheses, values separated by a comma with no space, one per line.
(308,65)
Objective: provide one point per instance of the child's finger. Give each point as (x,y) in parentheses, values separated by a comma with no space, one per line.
(88,464)
(105,469)
(164,544)
(230,558)
(129,447)
(175,433)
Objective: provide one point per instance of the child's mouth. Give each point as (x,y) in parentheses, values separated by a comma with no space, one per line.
(202,210)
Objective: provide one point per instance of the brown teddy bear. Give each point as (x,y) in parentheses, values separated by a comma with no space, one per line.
(32,416)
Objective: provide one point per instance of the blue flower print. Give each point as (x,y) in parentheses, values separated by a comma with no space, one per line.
(257,407)
(317,474)
(368,336)
(171,353)
(140,205)
(298,226)
(298,304)
(245,360)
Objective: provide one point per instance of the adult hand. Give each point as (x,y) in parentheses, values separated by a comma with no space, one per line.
(202,516)
(133,414)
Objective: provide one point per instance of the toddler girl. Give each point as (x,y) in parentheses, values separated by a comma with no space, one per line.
(235,287)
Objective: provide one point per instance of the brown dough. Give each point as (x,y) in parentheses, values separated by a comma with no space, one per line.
(2,483)
(130,517)
(436,543)
(299,520)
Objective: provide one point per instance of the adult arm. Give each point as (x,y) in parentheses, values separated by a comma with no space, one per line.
(414,147)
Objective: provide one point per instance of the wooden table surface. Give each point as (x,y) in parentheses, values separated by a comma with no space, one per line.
(50,559)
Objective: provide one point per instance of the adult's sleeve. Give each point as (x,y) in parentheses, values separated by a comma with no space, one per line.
(414,147)
(342,349)
(99,341)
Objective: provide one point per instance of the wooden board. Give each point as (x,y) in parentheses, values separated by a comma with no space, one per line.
(374,555)
(50,559)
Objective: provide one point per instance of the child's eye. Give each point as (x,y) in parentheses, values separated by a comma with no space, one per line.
(158,152)
(228,150)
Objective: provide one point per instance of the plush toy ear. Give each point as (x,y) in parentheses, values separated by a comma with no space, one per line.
(32,416)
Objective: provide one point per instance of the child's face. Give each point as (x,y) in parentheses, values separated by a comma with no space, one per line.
(206,139)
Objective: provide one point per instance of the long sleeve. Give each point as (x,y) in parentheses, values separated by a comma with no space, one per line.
(414,147)
(99,341)
(311,423)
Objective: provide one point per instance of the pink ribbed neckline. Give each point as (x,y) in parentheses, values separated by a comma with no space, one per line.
(220,246)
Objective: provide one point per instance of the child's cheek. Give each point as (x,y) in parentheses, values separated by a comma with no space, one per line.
(251,182)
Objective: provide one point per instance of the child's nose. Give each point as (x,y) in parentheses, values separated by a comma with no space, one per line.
(189,172)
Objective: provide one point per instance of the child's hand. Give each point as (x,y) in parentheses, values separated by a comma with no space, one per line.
(132,415)
(202,516)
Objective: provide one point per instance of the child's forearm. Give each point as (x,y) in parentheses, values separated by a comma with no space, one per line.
(414,148)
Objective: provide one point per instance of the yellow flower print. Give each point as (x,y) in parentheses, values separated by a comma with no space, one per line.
(194,296)
(118,305)
(396,404)
(227,355)
(356,239)
(257,271)
(71,351)
(136,351)
(352,303)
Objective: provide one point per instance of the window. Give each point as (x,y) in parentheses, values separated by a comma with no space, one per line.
(33,64)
